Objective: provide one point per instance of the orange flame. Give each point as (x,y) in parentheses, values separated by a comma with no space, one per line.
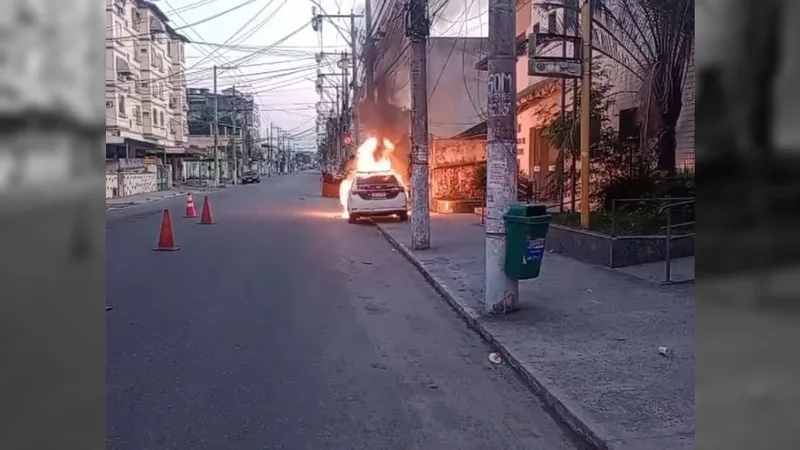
(368,161)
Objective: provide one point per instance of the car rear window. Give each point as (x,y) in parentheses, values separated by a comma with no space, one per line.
(374,180)
(250,173)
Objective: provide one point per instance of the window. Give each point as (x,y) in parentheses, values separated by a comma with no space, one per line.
(536,28)
(155,117)
(137,114)
(122,106)
(161,118)
(520,151)
(552,23)
(519,128)
(117,30)
(169,50)
(377,180)
(135,18)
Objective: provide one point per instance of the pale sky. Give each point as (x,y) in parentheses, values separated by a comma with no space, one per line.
(275,65)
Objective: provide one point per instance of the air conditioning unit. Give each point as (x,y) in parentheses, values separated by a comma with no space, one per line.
(109,103)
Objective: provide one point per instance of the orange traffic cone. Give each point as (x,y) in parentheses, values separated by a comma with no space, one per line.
(166,240)
(205,216)
(191,212)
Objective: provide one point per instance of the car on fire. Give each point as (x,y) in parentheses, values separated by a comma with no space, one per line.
(376,195)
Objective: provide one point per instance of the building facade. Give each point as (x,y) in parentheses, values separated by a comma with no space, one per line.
(239,120)
(456,93)
(146,105)
(539,98)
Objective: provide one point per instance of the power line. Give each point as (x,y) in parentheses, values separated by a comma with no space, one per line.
(216,16)
(243,27)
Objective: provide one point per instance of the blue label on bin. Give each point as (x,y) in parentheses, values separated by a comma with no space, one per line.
(534,250)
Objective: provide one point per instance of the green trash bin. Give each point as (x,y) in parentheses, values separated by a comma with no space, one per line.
(526,231)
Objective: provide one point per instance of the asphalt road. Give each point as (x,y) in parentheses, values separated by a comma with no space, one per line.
(284,327)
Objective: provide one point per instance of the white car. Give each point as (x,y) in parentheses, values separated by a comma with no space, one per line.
(376,194)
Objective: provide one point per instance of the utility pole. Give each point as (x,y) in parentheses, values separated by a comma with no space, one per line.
(269,151)
(369,53)
(316,25)
(245,149)
(418,28)
(501,291)
(586,115)
(235,174)
(216,131)
(353,49)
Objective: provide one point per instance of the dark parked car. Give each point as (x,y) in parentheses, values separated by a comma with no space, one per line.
(251,176)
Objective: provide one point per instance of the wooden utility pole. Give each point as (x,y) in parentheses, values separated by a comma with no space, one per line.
(501,292)
(418,29)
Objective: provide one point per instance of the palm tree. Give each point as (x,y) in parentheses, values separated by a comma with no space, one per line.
(652,42)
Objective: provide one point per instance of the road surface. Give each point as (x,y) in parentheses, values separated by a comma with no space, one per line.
(284,327)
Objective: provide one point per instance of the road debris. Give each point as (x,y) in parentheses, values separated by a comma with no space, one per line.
(665,351)
(495,358)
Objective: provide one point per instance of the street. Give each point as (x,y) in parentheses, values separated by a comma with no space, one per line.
(284,327)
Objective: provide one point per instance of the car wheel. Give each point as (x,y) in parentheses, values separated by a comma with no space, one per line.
(352,219)
(403,216)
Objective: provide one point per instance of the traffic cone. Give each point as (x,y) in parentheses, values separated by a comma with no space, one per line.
(166,240)
(205,216)
(191,212)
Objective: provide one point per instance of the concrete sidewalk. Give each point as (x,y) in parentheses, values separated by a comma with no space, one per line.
(586,337)
(151,197)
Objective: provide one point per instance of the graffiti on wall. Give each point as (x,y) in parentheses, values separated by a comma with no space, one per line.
(454,166)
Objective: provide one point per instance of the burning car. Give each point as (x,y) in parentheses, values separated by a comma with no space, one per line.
(376,194)
(372,188)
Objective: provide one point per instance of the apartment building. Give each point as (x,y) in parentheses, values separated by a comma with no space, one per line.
(146,105)
(239,116)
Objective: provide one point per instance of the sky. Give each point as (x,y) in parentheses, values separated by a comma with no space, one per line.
(271,46)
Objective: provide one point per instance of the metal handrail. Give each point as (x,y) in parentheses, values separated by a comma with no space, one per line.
(639,200)
(668,235)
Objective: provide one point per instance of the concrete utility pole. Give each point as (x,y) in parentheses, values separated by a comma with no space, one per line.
(245,149)
(353,49)
(501,291)
(216,130)
(586,109)
(269,151)
(316,25)
(369,53)
(418,29)
(235,156)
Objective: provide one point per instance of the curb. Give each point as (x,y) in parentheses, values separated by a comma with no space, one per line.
(126,205)
(564,410)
